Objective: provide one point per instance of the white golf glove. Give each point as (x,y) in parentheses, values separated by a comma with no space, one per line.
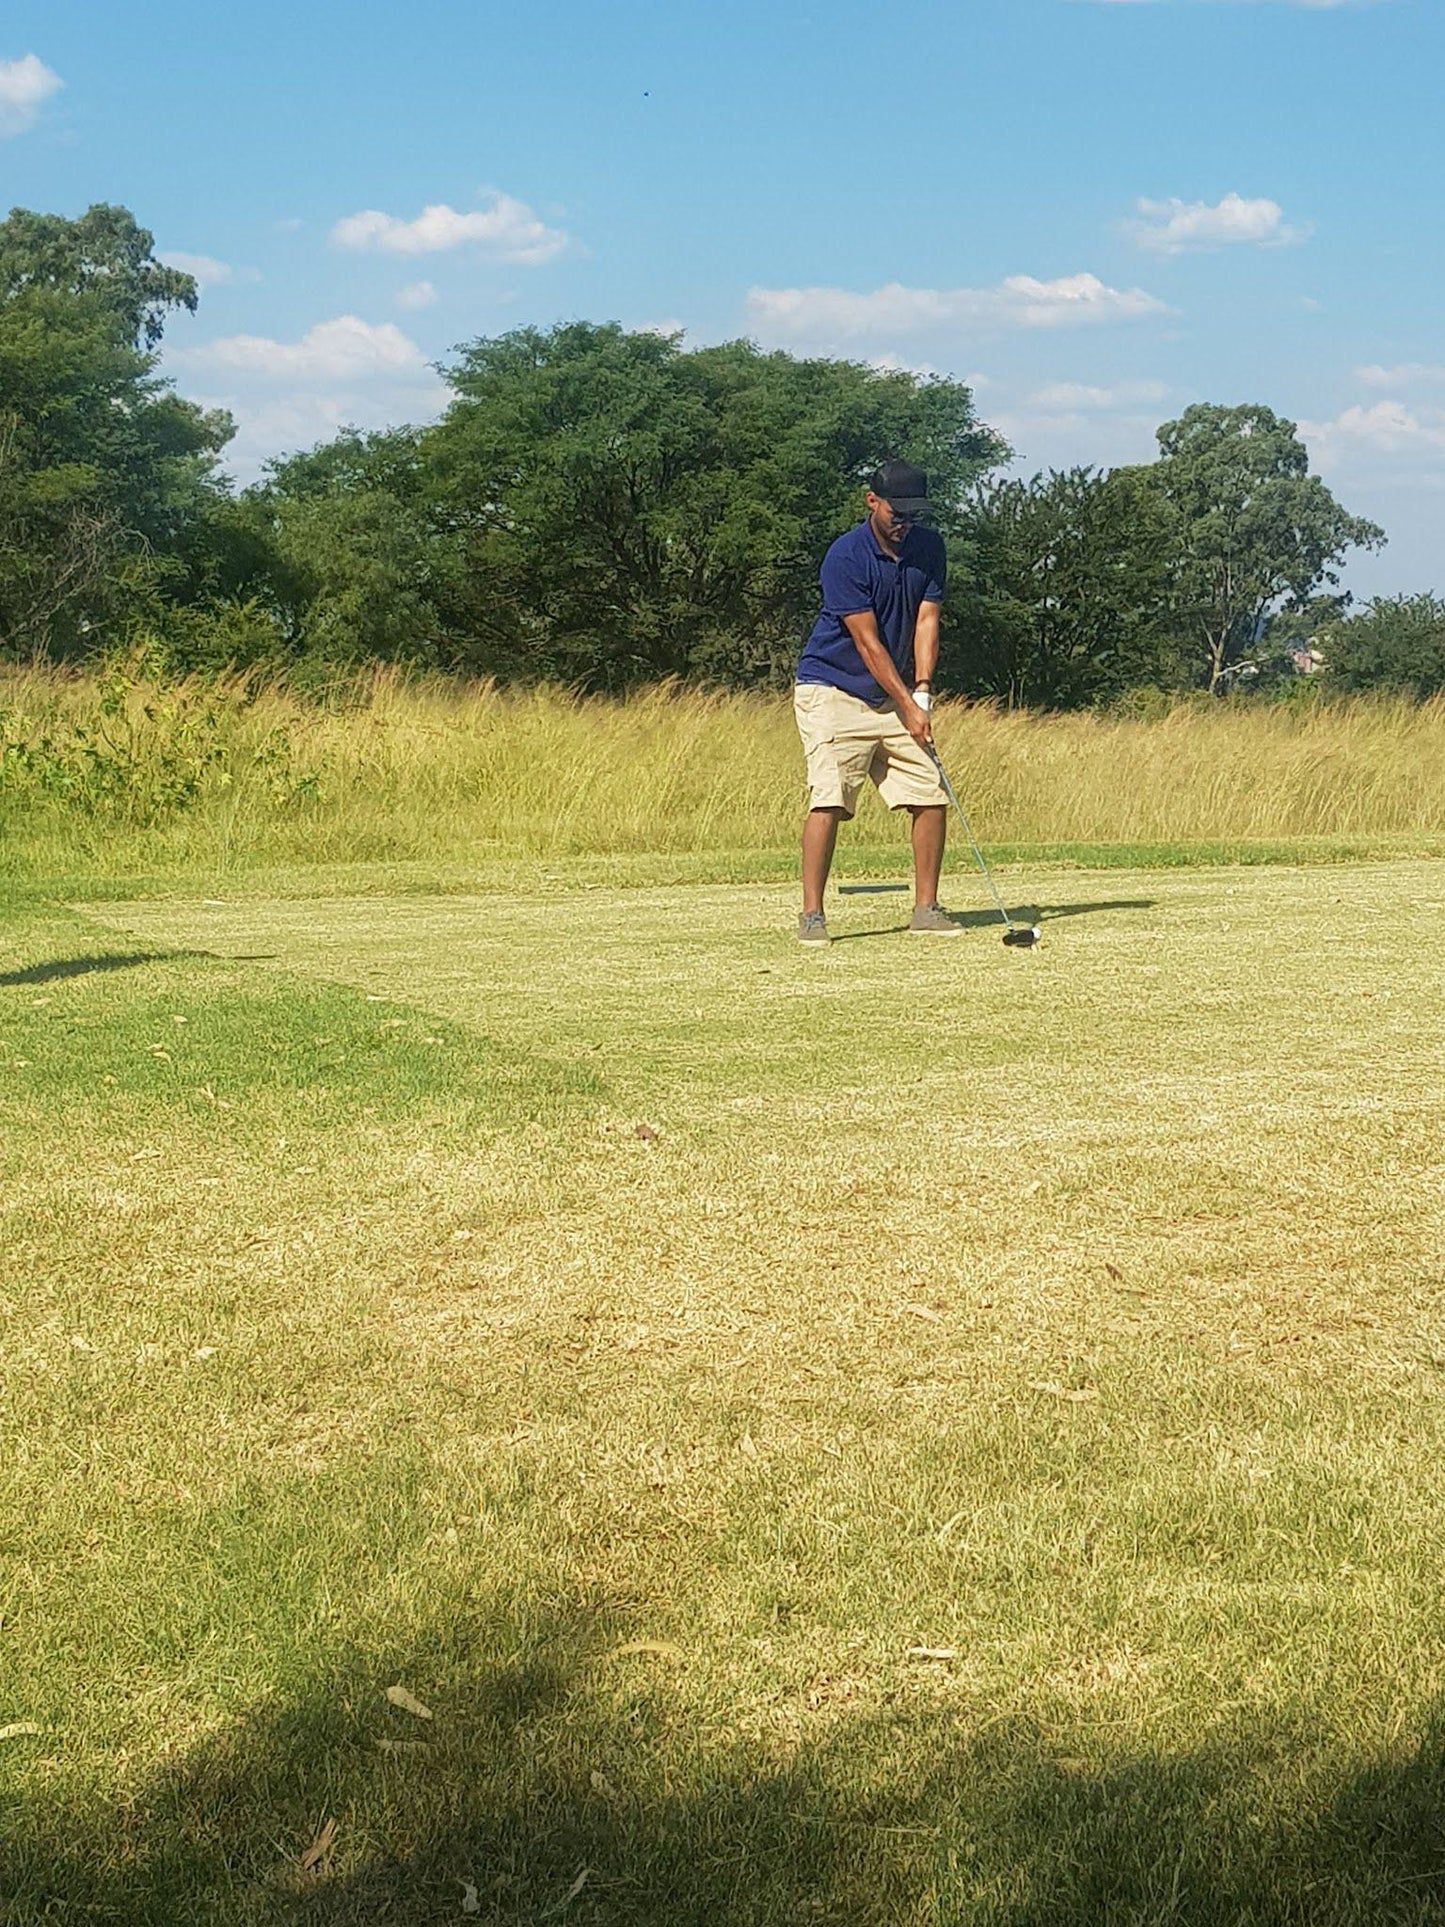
(924,699)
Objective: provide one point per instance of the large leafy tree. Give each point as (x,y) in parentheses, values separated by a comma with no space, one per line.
(103,468)
(1067,601)
(1254,530)
(355,562)
(628,510)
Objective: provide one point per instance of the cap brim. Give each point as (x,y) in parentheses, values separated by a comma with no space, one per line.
(917,508)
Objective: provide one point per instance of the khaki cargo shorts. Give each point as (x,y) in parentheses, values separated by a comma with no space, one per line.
(846,741)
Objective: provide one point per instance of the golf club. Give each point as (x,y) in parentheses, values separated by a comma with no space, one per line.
(1020,936)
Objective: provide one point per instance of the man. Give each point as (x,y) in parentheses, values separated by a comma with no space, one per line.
(864,686)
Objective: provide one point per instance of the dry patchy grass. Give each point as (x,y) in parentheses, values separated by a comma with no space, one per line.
(921,1433)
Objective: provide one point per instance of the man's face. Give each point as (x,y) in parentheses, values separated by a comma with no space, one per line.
(889,524)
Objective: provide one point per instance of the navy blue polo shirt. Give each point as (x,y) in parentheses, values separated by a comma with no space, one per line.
(856,575)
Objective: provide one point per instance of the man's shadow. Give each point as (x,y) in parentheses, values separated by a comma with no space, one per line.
(1025,913)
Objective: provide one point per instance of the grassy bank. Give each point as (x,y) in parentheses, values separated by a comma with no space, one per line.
(122,777)
(918,1436)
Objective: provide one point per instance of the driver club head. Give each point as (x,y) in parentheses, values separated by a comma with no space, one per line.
(1021,936)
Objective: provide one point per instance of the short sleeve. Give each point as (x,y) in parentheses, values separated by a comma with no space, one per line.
(937,573)
(844,576)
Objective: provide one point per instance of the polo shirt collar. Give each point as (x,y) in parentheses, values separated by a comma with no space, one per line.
(877,546)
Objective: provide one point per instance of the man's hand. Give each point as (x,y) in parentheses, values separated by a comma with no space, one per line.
(916,721)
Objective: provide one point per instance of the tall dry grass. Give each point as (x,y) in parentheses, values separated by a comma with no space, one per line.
(128,775)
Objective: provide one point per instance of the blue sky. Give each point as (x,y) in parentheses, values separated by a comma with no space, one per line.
(1097,210)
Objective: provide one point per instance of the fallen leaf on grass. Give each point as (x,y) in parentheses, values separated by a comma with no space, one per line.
(924,1311)
(657,1648)
(320,1847)
(408,1702)
(1114,1272)
(933,1652)
(1051,1390)
(21,1730)
(405,1746)
(601,1784)
(571,1894)
(646,1133)
(745,1444)
(471,1900)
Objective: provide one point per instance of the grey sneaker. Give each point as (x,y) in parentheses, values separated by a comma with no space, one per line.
(812,927)
(929,921)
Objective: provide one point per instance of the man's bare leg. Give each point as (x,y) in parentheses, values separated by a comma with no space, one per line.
(930,827)
(820,837)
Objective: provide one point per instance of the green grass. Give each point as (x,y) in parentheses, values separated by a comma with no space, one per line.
(637,1338)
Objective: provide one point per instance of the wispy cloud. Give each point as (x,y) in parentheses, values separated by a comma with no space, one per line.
(206,270)
(1405,374)
(1386,429)
(505,228)
(338,350)
(288,395)
(831,315)
(1076,397)
(417,294)
(1186,227)
(25,86)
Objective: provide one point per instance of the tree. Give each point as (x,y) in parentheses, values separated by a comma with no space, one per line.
(1253,527)
(355,563)
(1397,643)
(102,465)
(630,511)
(1068,601)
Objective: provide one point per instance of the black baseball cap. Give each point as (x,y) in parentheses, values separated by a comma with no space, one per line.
(904,488)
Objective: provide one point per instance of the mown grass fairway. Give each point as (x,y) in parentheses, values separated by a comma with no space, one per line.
(916,1434)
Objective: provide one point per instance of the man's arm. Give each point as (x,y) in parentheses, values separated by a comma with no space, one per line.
(925,645)
(880,666)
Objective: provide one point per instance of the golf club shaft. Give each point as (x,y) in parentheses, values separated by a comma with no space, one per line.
(968,832)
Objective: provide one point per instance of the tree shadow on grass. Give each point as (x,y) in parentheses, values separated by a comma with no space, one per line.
(62,967)
(562,1780)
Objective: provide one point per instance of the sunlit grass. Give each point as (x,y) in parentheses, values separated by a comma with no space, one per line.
(921,1433)
(469,778)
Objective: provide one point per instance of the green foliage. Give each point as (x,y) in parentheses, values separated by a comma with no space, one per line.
(151,749)
(629,511)
(1252,528)
(360,565)
(101,464)
(1396,644)
(1067,602)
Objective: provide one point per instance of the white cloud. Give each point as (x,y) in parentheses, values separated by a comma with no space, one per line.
(25,86)
(1406,374)
(1386,428)
(1020,301)
(339,350)
(1181,227)
(205,270)
(289,395)
(1073,397)
(504,227)
(417,294)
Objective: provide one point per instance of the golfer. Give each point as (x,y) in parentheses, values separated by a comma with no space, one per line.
(864,686)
